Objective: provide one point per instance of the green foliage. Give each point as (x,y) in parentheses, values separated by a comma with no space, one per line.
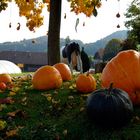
(111,49)
(128,44)
(133,22)
(138,47)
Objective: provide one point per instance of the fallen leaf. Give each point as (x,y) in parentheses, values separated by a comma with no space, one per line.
(65,132)
(136,119)
(18,113)
(7,100)
(46,95)
(15,89)
(13,114)
(3,124)
(24,99)
(12,93)
(82,109)
(70,97)
(2,106)
(12,133)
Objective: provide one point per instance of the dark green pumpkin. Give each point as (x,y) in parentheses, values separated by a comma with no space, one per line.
(109,107)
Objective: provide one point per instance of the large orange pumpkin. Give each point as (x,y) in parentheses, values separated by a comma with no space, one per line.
(5,77)
(64,71)
(85,83)
(124,71)
(46,77)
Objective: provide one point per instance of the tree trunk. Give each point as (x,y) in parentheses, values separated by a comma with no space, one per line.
(54,32)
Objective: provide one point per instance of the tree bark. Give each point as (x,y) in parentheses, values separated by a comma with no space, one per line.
(54,32)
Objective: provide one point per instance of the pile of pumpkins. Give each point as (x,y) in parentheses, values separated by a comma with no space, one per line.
(51,77)
(112,104)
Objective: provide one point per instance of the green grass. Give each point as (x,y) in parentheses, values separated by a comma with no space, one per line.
(56,115)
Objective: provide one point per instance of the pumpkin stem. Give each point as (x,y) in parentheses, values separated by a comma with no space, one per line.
(110,88)
(87,74)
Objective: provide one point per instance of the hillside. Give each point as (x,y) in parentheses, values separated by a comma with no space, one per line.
(40,44)
(92,48)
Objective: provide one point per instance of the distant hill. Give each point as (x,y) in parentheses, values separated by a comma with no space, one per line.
(92,48)
(40,44)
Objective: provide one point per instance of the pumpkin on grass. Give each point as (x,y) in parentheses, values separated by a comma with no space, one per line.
(2,86)
(46,77)
(109,107)
(85,83)
(5,77)
(124,71)
(64,71)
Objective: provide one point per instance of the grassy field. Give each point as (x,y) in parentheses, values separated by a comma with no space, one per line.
(60,114)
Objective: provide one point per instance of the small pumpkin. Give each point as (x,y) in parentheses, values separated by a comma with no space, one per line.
(46,77)
(2,86)
(5,77)
(124,71)
(64,71)
(85,83)
(109,107)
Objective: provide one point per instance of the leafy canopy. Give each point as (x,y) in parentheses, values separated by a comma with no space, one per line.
(133,22)
(32,9)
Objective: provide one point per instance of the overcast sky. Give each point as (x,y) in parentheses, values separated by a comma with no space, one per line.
(95,27)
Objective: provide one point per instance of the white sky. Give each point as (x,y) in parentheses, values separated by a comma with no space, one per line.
(95,27)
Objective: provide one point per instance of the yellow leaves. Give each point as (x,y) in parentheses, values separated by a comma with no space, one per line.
(12,133)
(88,7)
(13,91)
(17,113)
(2,106)
(48,96)
(32,11)
(72,86)
(13,114)
(3,124)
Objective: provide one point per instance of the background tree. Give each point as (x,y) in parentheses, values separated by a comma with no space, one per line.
(133,23)
(111,49)
(128,44)
(32,10)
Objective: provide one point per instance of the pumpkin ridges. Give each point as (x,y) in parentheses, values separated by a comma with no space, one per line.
(107,78)
(92,80)
(85,83)
(46,77)
(130,68)
(109,109)
(115,76)
(64,71)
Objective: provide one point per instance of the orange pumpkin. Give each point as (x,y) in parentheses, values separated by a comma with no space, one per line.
(5,77)
(64,71)
(2,86)
(46,77)
(124,72)
(85,83)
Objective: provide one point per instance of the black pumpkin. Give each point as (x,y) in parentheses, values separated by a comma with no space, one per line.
(109,107)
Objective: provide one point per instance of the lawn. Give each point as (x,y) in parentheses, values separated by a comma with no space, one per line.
(60,114)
